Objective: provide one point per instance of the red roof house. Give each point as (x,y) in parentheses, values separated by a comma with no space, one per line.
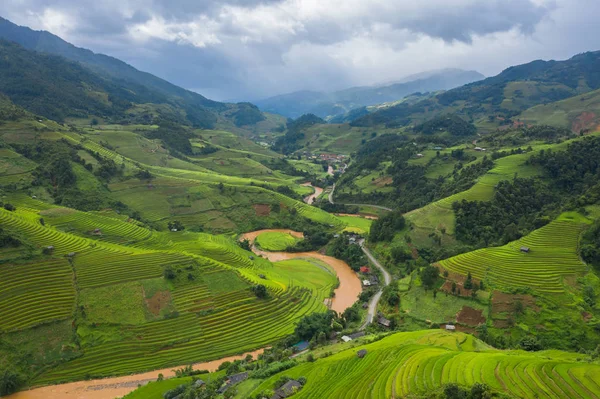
(365,269)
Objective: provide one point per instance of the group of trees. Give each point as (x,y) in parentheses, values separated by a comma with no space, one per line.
(174,137)
(516,208)
(384,228)
(8,240)
(351,254)
(450,123)
(590,245)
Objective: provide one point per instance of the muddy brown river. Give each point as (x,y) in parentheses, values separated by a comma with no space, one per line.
(350,287)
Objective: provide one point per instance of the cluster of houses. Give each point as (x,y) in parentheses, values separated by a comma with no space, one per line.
(350,337)
(368,278)
(332,158)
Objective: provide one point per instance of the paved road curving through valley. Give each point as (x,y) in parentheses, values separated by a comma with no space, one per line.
(372,310)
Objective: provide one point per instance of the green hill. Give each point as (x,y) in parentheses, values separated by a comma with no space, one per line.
(506,95)
(576,113)
(96,85)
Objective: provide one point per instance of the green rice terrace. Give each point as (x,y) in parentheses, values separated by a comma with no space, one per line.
(140,299)
(543,261)
(421,362)
(274,241)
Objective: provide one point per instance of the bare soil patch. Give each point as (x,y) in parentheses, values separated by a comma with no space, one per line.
(383,181)
(502,302)
(262,209)
(158,302)
(586,316)
(470,316)
(460,289)
(501,323)
(585,120)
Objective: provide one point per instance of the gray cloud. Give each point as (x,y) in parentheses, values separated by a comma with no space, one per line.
(254,48)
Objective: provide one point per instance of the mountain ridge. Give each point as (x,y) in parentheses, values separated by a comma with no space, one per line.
(331,104)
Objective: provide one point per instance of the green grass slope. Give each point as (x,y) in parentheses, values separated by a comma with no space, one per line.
(576,113)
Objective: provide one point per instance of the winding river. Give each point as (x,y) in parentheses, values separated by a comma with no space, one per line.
(311,198)
(350,287)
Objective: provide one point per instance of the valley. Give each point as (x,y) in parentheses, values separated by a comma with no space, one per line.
(437,237)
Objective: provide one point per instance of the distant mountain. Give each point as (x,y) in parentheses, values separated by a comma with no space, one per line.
(328,105)
(196,109)
(505,95)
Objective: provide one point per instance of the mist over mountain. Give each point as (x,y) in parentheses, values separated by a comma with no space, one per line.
(327,105)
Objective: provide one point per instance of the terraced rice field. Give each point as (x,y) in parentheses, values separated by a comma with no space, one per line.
(35,293)
(274,241)
(553,256)
(212,312)
(416,363)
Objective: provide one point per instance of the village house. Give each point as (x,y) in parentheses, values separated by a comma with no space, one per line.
(357,335)
(361,353)
(525,249)
(346,338)
(233,380)
(287,389)
(366,283)
(450,327)
(365,269)
(383,321)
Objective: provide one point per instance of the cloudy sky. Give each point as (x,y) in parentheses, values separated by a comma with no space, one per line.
(249,49)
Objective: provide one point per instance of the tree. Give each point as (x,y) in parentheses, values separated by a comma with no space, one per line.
(453,287)
(9,207)
(244,244)
(518,307)
(10,381)
(169,273)
(589,296)
(429,276)
(176,225)
(260,291)
(468,282)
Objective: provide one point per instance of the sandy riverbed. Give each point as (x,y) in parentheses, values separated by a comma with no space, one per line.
(114,387)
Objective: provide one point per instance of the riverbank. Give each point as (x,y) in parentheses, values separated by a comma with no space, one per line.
(350,286)
(115,387)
